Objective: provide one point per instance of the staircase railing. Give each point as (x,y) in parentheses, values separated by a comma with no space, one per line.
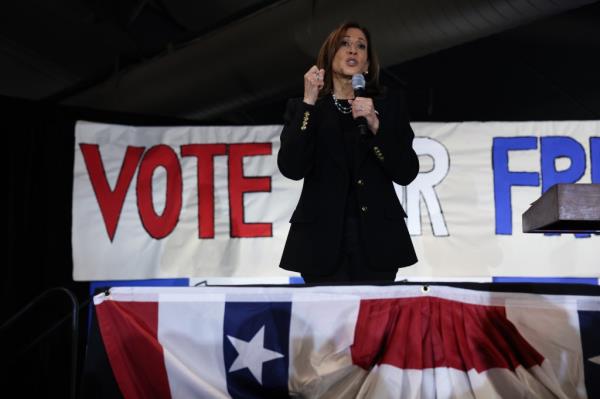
(74,316)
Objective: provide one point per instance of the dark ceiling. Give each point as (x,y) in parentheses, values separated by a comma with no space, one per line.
(54,49)
(459,60)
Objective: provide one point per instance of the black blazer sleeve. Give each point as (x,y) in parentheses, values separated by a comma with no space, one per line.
(392,145)
(296,154)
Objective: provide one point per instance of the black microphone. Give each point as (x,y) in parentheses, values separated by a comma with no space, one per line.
(358,84)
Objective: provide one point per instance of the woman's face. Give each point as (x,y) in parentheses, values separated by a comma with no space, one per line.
(352,56)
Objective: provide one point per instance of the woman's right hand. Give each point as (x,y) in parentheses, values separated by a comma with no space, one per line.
(313,83)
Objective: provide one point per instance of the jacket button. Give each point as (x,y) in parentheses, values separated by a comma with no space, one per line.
(360,182)
(364,208)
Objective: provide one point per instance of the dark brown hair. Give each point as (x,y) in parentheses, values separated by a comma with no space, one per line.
(332,44)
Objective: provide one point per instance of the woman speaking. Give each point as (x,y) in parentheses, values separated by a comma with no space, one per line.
(348,225)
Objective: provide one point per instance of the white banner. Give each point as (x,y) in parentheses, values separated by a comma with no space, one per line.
(163,202)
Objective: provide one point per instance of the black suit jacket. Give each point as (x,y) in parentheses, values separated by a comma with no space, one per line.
(312,149)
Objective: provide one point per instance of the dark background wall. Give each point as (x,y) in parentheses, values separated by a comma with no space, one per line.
(545,70)
(38,165)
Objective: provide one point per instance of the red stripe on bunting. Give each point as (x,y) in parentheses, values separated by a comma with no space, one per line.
(129,332)
(428,332)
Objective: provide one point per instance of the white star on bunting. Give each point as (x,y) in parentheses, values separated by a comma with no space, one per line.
(595,359)
(252,354)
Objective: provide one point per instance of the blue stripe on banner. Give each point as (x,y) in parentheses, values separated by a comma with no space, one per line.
(589,324)
(563,280)
(157,282)
(256,348)
(296,280)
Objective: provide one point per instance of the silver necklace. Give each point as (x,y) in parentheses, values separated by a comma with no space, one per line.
(344,109)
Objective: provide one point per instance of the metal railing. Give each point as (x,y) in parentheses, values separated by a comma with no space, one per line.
(74,316)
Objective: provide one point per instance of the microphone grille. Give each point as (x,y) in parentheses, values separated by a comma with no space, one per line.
(358,81)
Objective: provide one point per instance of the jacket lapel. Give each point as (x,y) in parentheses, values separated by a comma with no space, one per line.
(363,147)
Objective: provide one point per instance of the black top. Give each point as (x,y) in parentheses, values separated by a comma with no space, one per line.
(351,143)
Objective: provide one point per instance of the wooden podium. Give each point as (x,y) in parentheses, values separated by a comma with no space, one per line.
(565,208)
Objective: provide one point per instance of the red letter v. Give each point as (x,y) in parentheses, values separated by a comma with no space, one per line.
(110,201)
